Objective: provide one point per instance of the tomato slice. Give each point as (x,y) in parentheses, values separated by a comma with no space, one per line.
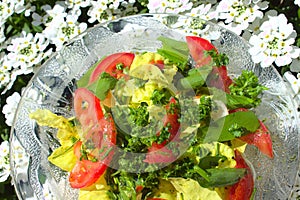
(219,78)
(171,118)
(197,47)
(159,153)
(243,189)
(87,107)
(261,138)
(99,137)
(159,63)
(85,173)
(109,65)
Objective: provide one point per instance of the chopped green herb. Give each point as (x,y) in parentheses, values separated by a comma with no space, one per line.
(247,85)
(140,115)
(219,59)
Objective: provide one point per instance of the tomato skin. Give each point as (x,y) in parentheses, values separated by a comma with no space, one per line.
(219,78)
(87,107)
(171,118)
(159,153)
(108,64)
(99,131)
(243,189)
(85,173)
(238,109)
(159,63)
(139,188)
(102,133)
(197,46)
(261,138)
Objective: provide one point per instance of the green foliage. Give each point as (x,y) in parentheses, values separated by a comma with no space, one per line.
(161,96)
(219,59)
(247,85)
(140,115)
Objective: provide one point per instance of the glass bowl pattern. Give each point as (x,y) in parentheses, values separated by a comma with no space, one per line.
(53,85)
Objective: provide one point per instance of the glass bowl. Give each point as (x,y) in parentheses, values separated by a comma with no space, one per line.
(53,85)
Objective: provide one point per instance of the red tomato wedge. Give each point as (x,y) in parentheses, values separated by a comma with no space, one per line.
(243,189)
(159,153)
(99,133)
(159,63)
(219,78)
(103,133)
(109,65)
(197,46)
(139,188)
(87,107)
(261,139)
(171,118)
(85,173)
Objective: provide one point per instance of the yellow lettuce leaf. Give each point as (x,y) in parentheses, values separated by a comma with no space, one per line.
(63,157)
(97,191)
(190,189)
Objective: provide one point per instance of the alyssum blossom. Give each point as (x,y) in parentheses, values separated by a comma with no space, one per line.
(28,50)
(169,6)
(237,14)
(274,42)
(10,107)
(60,26)
(4,161)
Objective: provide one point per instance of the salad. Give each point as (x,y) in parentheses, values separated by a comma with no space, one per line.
(161,125)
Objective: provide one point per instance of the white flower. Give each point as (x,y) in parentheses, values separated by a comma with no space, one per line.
(77,4)
(4,161)
(19,157)
(4,149)
(204,12)
(13,76)
(169,6)
(19,6)
(295,65)
(38,20)
(5,71)
(2,36)
(237,14)
(103,10)
(297,2)
(255,25)
(6,10)
(61,30)
(293,81)
(127,8)
(10,107)
(27,51)
(274,43)
(57,12)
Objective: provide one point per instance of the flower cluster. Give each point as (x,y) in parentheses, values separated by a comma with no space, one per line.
(4,161)
(274,42)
